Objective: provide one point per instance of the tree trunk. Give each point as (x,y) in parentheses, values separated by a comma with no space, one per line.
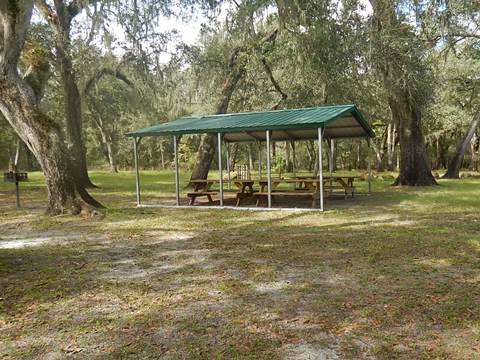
(44,138)
(453,171)
(106,140)
(378,157)
(205,154)
(414,167)
(162,155)
(73,115)
(31,163)
(111,157)
(19,105)
(288,157)
(250,157)
(359,151)
(334,156)
(236,67)
(477,153)
(206,150)
(441,152)
(60,21)
(437,152)
(17,154)
(473,152)
(312,151)
(14,157)
(351,157)
(233,155)
(390,146)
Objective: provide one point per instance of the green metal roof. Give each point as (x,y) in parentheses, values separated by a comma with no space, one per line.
(285,124)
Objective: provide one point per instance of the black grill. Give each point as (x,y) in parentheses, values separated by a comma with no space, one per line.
(12,176)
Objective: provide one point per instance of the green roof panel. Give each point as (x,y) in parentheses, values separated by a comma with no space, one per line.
(251,122)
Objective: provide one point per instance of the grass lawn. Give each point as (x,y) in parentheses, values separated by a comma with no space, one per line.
(393,276)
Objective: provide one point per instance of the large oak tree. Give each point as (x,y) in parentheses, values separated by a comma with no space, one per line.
(60,18)
(399,58)
(20,96)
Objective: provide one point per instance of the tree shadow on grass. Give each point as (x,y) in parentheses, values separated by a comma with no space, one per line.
(379,293)
(266,285)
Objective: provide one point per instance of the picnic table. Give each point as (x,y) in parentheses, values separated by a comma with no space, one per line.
(310,183)
(202,188)
(303,186)
(245,189)
(309,187)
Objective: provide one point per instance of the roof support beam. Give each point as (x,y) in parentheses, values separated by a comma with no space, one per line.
(256,138)
(344,127)
(289,135)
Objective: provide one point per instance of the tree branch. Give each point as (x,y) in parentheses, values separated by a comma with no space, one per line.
(274,82)
(95,18)
(37,77)
(101,73)
(15,20)
(46,11)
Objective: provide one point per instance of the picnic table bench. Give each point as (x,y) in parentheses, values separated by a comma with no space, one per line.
(344,183)
(331,184)
(245,189)
(201,188)
(313,195)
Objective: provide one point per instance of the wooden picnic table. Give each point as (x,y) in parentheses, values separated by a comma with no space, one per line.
(203,184)
(202,188)
(244,185)
(245,188)
(311,187)
(308,185)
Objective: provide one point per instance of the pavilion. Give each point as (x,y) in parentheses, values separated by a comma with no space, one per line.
(315,123)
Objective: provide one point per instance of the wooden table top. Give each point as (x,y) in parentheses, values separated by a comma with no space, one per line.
(297,179)
(201,181)
(312,179)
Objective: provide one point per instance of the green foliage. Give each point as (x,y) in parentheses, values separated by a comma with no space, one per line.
(326,52)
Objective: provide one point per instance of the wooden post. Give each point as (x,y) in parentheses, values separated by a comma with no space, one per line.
(177,180)
(219,140)
(320,166)
(269,174)
(136,142)
(250,158)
